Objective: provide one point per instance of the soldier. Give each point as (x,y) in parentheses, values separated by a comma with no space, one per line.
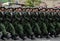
(40,22)
(57,21)
(18,23)
(51,27)
(44,28)
(28,28)
(3,28)
(9,23)
(34,24)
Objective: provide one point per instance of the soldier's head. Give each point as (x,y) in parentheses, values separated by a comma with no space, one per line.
(27,9)
(6,9)
(35,9)
(10,9)
(30,10)
(43,9)
(51,9)
(20,9)
(57,10)
(48,9)
(16,9)
(24,9)
(40,9)
(54,9)
(0,9)
(3,8)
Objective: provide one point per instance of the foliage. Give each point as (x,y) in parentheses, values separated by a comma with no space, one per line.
(32,3)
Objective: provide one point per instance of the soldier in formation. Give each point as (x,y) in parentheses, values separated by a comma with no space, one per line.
(29,22)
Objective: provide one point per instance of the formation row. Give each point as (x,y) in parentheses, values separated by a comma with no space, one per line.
(39,24)
(26,9)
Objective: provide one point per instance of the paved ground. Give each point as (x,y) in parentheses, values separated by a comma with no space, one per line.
(37,39)
(43,39)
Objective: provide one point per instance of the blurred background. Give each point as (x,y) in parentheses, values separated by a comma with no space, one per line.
(31,3)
